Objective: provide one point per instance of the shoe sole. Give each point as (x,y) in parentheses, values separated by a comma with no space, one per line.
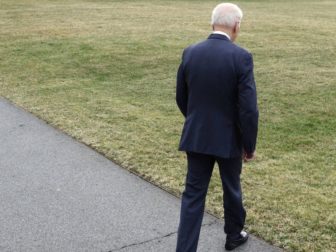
(239,243)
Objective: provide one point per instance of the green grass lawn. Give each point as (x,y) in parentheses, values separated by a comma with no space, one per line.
(104,72)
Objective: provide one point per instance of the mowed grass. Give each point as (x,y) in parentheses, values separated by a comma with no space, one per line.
(104,72)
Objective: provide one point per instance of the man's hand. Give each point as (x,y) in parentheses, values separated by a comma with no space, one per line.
(248,156)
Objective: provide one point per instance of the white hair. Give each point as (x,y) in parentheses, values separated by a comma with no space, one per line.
(226,14)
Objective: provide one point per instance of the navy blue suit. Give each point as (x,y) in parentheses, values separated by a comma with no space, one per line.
(216,93)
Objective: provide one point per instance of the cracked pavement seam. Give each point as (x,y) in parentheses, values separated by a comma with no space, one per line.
(153,239)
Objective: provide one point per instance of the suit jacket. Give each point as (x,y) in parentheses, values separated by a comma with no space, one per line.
(216,93)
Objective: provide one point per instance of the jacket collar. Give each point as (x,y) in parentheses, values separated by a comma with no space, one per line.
(218,36)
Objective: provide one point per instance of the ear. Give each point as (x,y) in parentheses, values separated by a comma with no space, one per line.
(236,27)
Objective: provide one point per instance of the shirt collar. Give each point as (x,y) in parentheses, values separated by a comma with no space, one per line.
(222,33)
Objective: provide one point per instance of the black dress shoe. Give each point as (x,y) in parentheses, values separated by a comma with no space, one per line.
(231,244)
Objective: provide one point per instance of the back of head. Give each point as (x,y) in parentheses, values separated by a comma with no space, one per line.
(226,15)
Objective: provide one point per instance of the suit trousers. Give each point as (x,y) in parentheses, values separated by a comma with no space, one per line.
(200,167)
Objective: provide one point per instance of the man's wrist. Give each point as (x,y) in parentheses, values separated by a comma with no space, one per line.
(249,155)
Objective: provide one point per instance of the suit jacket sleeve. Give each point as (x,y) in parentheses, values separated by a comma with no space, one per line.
(181,90)
(247,104)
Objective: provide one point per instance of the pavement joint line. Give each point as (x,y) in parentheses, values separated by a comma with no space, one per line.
(156,238)
(143,242)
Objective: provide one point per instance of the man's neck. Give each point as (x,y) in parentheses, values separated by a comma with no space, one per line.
(222,33)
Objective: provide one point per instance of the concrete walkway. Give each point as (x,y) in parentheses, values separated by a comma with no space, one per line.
(59,195)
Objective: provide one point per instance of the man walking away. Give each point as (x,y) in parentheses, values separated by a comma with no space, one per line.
(216,93)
